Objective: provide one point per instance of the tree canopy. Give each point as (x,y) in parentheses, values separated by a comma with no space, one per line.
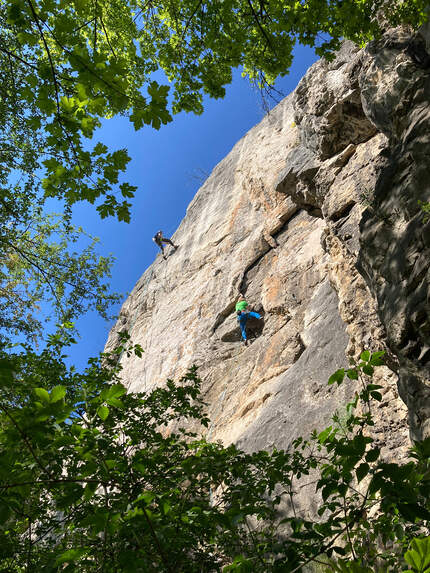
(67,64)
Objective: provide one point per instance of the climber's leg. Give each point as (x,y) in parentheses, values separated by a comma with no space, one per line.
(162,250)
(242,323)
(254,314)
(165,240)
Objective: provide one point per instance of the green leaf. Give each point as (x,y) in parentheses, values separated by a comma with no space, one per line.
(116,390)
(338,376)
(89,490)
(147,497)
(71,555)
(57,393)
(367,369)
(103,412)
(127,190)
(322,437)
(327,491)
(42,394)
(418,555)
(352,374)
(373,455)
(138,350)
(115,402)
(376,395)
(370,387)
(376,358)
(365,356)
(362,471)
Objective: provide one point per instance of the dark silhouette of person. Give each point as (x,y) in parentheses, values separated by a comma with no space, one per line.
(159,240)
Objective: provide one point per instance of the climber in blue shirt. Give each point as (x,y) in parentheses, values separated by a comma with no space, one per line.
(242,317)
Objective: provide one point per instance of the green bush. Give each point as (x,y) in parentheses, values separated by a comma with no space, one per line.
(93,478)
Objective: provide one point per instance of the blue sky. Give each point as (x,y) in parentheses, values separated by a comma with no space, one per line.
(168,166)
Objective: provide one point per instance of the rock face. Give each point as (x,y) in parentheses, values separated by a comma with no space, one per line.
(395,241)
(314,216)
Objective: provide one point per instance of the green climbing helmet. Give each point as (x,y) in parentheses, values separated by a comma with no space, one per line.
(241,305)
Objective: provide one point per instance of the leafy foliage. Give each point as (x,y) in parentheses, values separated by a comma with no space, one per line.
(425,210)
(66,65)
(418,556)
(41,267)
(93,478)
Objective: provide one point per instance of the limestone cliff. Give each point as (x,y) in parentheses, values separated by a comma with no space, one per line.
(314,215)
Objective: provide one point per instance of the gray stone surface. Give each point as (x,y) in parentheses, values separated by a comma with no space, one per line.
(395,252)
(300,397)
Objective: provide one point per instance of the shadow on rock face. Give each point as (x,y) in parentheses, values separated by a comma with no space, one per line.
(254,329)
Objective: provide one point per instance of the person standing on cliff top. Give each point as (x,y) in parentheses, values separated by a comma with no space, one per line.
(159,240)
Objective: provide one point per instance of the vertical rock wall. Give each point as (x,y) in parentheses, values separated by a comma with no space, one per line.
(394,237)
(314,216)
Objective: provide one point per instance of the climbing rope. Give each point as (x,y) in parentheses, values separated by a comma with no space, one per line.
(136,315)
(129,330)
(133,322)
(220,405)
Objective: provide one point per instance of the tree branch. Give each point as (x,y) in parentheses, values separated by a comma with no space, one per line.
(48,53)
(53,481)
(107,37)
(11,54)
(25,438)
(262,30)
(157,542)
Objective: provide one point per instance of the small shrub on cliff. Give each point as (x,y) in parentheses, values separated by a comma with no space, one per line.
(95,479)
(425,210)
